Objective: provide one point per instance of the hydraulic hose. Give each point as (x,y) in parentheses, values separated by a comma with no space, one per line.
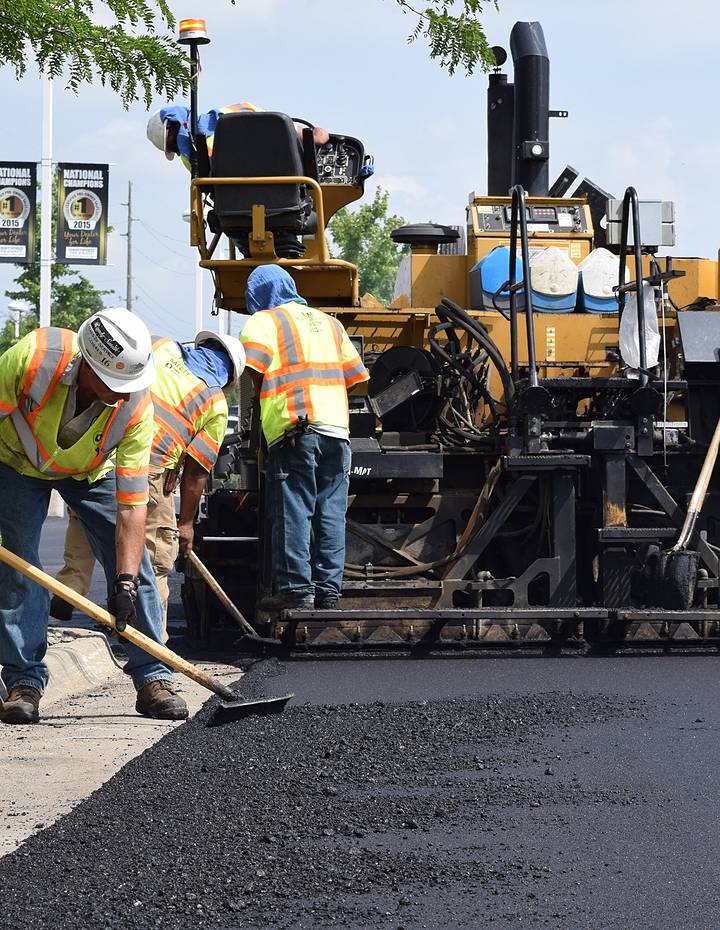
(448,309)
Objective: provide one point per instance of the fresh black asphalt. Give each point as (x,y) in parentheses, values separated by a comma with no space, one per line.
(572,793)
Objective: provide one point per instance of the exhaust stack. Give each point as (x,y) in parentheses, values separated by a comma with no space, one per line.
(531,128)
(500,119)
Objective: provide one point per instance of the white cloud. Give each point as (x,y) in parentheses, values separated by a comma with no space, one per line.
(402,184)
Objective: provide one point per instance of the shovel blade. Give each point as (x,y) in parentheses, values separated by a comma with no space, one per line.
(227,711)
(680,577)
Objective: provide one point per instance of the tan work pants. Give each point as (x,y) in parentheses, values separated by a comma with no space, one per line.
(161,539)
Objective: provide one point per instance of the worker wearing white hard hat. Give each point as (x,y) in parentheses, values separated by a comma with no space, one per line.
(191,416)
(76,416)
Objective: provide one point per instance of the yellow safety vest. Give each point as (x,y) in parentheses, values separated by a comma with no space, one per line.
(32,401)
(190,416)
(307,362)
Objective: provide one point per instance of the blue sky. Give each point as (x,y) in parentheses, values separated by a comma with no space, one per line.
(639,78)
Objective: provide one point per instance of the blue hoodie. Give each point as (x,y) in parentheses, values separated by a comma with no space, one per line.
(270,286)
(212,365)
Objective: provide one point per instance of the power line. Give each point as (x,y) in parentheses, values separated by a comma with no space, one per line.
(164,244)
(158,308)
(163,235)
(184,274)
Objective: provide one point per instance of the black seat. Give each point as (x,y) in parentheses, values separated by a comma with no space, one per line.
(261,145)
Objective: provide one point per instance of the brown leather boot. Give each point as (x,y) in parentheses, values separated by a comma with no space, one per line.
(21,705)
(159,699)
(60,609)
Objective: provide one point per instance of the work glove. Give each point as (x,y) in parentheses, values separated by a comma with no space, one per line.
(121,602)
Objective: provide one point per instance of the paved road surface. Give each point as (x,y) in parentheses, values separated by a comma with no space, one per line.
(572,793)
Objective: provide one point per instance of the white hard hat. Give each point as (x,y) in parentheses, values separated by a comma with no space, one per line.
(157,132)
(117,345)
(232,345)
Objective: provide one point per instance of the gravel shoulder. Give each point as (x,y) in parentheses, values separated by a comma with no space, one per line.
(89,728)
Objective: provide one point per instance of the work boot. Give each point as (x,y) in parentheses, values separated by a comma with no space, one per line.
(60,609)
(287,600)
(21,705)
(159,699)
(327,602)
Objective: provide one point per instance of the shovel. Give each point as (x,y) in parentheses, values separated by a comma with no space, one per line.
(232,706)
(678,567)
(251,637)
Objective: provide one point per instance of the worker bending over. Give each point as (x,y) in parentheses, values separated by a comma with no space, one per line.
(191,416)
(73,407)
(304,363)
(169,129)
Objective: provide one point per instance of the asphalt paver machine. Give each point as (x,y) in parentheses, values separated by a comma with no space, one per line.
(543,393)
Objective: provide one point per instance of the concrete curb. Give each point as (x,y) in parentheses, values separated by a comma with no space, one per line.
(78,660)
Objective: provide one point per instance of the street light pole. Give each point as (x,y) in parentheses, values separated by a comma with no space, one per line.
(17,308)
(46,201)
(128,267)
(198,287)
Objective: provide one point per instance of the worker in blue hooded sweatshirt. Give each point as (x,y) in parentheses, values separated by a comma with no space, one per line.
(303,364)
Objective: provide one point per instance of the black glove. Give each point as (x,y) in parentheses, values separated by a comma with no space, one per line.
(121,602)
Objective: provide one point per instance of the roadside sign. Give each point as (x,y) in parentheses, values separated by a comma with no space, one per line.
(18,190)
(82,209)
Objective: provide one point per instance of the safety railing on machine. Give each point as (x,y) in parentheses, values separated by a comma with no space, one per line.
(518,222)
(631,202)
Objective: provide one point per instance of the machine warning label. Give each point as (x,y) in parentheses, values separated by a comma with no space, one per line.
(550,346)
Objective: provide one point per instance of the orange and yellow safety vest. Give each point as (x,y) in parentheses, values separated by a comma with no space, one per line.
(190,416)
(35,379)
(307,362)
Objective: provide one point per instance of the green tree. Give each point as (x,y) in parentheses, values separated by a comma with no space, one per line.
(133,53)
(74,299)
(363,237)
(453,31)
(134,49)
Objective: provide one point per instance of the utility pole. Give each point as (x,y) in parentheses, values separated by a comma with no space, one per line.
(46,201)
(128,235)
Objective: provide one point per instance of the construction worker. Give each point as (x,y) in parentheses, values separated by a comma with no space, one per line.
(169,129)
(304,363)
(191,416)
(76,416)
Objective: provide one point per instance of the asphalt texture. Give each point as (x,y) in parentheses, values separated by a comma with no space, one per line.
(507,793)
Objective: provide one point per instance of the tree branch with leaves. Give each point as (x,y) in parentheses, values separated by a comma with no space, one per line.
(134,54)
(453,31)
(128,44)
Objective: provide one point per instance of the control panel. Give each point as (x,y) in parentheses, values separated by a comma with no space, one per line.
(342,160)
(560,219)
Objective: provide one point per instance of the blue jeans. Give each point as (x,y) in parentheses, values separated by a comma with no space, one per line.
(307,490)
(24,604)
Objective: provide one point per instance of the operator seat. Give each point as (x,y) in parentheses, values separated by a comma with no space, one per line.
(249,145)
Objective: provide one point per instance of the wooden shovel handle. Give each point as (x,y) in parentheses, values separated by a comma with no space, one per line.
(156,650)
(698,495)
(220,594)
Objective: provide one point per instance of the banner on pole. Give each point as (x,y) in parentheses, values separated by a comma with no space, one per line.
(18,197)
(82,192)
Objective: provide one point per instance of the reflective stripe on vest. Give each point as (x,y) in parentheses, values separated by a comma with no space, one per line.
(294,377)
(306,375)
(176,427)
(55,349)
